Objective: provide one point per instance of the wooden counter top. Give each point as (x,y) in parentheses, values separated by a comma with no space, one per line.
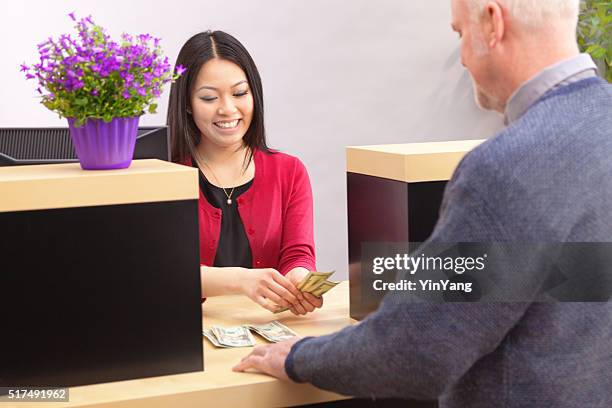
(409,162)
(48,186)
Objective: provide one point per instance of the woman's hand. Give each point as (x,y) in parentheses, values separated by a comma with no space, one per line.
(269,289)
(309,302)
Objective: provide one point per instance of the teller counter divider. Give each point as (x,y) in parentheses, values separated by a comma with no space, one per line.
(99,274)
(394,194)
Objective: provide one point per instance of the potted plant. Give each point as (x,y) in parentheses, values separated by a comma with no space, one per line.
(595,33)
(102,87)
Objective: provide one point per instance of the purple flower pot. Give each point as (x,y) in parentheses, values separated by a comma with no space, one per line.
(105,146)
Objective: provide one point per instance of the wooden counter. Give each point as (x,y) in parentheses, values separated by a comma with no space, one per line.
(218,386)
(51,186)
(409,162)
(394,193)
(93,262)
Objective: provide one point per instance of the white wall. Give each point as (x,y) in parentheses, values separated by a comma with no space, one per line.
(335,73)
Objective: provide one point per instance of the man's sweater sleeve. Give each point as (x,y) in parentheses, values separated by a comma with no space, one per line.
(413,350)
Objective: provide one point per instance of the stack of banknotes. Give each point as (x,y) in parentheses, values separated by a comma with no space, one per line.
(315,283)
(240,336)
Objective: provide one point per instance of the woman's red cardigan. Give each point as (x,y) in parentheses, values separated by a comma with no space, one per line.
(276,212)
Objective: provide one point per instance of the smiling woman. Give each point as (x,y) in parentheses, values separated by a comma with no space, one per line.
(222,104)
(255,208)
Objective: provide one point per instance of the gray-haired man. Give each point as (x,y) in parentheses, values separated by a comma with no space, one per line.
(547,177)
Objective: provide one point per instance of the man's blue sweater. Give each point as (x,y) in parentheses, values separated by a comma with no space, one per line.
(545,178)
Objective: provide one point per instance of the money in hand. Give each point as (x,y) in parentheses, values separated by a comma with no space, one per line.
(312,280)
(324,287)
(315,283)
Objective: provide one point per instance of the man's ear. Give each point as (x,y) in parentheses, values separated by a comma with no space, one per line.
(495,25)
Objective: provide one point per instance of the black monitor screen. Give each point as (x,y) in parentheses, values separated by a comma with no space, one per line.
(20,146)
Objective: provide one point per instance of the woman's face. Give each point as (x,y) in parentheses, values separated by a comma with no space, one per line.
(222,103)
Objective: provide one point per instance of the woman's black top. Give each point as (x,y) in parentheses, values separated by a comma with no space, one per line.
(233,248)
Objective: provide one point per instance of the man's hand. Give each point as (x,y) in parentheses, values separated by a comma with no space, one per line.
(268,359)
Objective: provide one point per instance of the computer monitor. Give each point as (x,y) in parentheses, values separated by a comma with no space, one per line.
(23,146)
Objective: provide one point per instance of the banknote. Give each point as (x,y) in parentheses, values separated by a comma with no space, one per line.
(315,283)
(211,337)
(273,331)
(312,280)
(238,336)
(324,288)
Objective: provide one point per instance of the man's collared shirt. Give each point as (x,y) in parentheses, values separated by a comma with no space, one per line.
(562,73)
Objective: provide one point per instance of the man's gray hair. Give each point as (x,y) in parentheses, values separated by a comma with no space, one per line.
(533,13)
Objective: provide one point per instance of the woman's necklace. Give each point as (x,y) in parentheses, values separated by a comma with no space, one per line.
(229,196)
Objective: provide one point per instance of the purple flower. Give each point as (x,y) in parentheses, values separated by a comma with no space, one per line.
(180,70)
(158,71)
(44,43)
(133,69)
(127,78)
(147,61)
(126,37)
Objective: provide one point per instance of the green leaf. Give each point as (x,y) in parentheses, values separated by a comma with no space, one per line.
(599,54)
(81,101)
(597,51)
(152,108)
(592,48)
(594,32)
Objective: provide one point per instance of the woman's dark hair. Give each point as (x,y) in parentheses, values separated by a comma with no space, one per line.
(197,51)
